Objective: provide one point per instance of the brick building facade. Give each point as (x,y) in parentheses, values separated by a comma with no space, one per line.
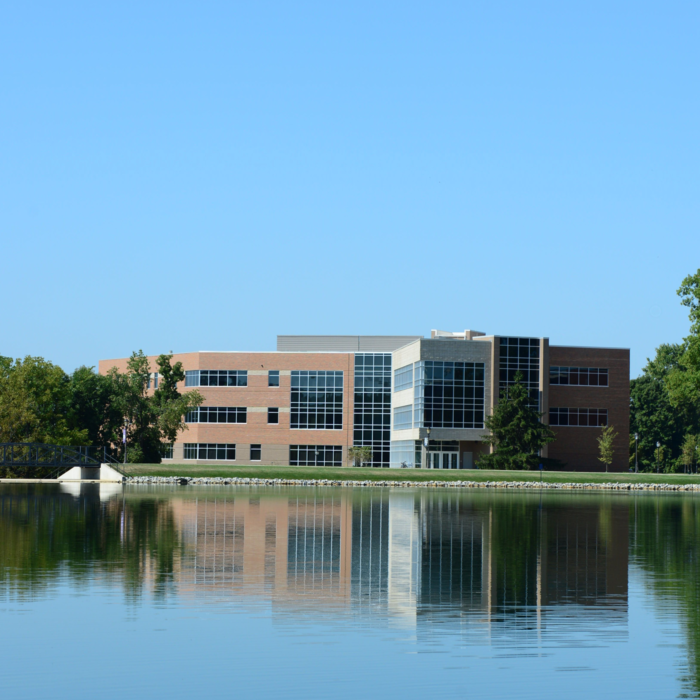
(416,402)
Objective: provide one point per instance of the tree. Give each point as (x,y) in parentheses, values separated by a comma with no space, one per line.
(171,407)
(36,405)
(606,445)
(360,455)
(684,380)
(652,416)
(516,431)
(153,419)
(95,406)
(689,452)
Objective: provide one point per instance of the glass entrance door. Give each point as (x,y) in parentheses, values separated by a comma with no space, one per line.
(443,460)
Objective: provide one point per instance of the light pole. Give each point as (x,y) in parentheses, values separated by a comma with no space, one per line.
(316,453)
(427,450)
(658,454)
(636,462)
(127,423)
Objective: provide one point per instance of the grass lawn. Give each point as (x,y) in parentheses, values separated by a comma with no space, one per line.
(417,475)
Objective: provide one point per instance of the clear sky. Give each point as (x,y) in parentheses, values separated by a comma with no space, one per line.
(205,175)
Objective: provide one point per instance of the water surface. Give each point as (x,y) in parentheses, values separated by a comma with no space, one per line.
(212,592)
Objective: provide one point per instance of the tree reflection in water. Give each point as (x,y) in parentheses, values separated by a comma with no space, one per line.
(50,533)
(511,561)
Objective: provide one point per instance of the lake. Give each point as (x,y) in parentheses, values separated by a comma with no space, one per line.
(301,592)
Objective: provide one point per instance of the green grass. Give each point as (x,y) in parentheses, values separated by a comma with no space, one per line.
(417,475)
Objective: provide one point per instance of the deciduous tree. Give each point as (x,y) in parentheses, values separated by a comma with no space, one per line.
(606,445)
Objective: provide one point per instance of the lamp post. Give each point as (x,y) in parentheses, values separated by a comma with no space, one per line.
(316,453)
(658,455)
(636,462)
(427,450)
(127,423)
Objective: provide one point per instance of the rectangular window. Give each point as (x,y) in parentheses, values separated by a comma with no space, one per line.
(316,400)
(217,414)
(316,455)
(578,376)
(216,377)
(273,416)
(403,417)
(403,378)
(255,453)
(210,451)
(273,378)
(155,380)
(578,417)
(166,451)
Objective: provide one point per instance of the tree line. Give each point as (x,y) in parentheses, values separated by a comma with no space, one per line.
(665,398)
(41,403)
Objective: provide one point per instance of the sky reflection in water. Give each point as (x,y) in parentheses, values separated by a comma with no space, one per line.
(317,593)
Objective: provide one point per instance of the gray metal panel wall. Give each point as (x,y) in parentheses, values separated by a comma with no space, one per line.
(343,343)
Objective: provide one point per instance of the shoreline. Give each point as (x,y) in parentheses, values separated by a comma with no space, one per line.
(527,485)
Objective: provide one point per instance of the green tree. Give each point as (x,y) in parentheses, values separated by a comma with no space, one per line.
(652,416)
(171,406)
(606,445)
(151,419)
(95,405)
(516,431)
(360,455)
(689,452)
(684,380)
(36,405)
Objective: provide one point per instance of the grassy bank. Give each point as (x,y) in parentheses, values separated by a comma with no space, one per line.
(417,475)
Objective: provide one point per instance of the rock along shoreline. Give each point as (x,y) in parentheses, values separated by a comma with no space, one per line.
(530,485)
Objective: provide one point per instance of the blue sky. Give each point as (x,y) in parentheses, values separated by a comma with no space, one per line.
(187,176)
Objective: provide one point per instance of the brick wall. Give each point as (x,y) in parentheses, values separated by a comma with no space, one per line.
(275,439)
(578,446)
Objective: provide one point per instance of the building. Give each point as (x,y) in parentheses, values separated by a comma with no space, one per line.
(317,396)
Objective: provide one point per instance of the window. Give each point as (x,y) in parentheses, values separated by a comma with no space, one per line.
(273,415)
(406,453)
(216,377)
(166,451)
(520,355)
(217,414)
(316,455)
(255,453)
(155,380)
(273,378)
(317,400)
(203,450)
(578,376)
(578,417)
(372,410)
(403,378)
(449,395)
(403,417)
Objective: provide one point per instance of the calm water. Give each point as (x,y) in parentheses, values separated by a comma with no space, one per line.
(190,592)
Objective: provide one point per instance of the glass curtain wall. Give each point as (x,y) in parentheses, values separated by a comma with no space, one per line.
(521,355)
(372,426)
(449,395)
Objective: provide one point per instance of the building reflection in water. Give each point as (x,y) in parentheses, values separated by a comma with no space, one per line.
(408,554)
